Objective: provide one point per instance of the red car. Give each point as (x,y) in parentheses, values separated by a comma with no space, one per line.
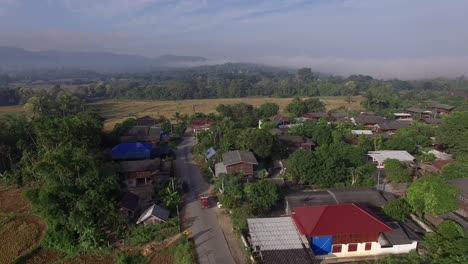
(204,201)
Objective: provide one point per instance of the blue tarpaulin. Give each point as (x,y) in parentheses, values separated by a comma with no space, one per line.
(321,245)
(132,151)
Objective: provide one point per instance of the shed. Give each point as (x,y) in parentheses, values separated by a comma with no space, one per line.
(209,153)
(153,215)
(132,151)
(239,161)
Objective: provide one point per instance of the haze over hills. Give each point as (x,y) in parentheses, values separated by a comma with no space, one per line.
(14,58)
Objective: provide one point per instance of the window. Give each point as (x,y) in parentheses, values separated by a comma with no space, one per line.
(336,248)
(368,246)
(352,247)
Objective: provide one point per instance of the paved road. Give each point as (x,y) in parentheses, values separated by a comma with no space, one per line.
(210,242)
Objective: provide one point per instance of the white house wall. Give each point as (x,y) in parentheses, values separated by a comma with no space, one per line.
(376,249)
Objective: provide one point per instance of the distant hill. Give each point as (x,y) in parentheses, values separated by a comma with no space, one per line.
(13,58)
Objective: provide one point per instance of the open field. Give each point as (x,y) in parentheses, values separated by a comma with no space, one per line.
(11,109)
(19,236)
(12,201)
(44,256)
(115,111)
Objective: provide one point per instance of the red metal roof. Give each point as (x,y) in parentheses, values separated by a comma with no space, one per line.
(201,121)
(340,219)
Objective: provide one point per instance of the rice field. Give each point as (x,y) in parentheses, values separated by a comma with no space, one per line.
(115,111)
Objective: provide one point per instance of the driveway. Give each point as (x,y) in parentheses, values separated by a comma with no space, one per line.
(210,241)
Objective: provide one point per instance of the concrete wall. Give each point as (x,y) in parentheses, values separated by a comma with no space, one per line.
(376,249)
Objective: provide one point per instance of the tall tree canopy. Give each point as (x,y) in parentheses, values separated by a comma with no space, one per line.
(453,132)
(432,195)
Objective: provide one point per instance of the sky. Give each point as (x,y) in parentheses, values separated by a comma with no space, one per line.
(407,39)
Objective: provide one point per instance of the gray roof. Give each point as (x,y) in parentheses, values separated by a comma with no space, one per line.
(220,169)
(368,120)
(274,233)
(340,116)
(294,139)
(238,156)
(139,165)
(142,134)
(209,153)
(382,155)
(433,120)
(414,110)
(289,256)
(444,106)
(462,184)
(397,236)
(393,125)
(363,195)
(129,201)
(156,211)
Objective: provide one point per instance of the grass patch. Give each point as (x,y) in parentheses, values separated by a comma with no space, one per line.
(19,236)
(182,252)
(90,259)
(142,234)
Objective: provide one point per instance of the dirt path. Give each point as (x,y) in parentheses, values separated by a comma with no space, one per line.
(234,243)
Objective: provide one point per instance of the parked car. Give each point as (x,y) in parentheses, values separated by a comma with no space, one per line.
(204,201)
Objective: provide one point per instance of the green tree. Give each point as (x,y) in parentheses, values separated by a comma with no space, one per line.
(257,140)
(398,209)
(239,217)
(262,195)
(447,245)
(171,198)
(432,195)
(455,170)
(453,133)
(268,109)
(296,107)
(397,171)
(302,167)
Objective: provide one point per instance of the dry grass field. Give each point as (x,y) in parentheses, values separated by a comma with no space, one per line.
(19,236)
(115,111)
(12,201)
(44,257)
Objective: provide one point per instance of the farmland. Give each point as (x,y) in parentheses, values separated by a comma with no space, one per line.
(115,111)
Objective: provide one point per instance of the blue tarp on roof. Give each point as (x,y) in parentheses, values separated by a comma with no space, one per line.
(132,151)
(321,245)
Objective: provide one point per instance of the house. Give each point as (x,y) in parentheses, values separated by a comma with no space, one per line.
(201,124)
(391,127)
(236,161)
(294,143)
(402,116)
(155,214)
(443,108)
(462,185)
(369,197)
(280,120)
(276,240)
(317,116)
(139,172)
(380,156)
(339,116)
(367,121)
(146,121)
(145,134)
(440,155)
(132,151)
(417,113)
(349,230)
(129,205)
(432,121)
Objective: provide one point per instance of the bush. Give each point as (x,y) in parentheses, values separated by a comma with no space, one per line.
(183,252)
(239,217)
(142,234)
(398,209)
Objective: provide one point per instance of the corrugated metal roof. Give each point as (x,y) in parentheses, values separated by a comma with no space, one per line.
(361,132)
(154,210)
(336,219)
(238,156)
(383,155)
(139,165)
(277,233)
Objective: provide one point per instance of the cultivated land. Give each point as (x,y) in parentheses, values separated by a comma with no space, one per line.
(115,111)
